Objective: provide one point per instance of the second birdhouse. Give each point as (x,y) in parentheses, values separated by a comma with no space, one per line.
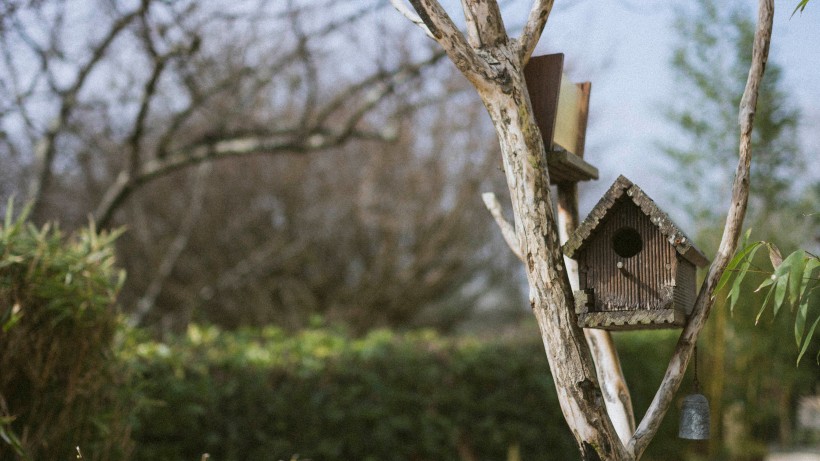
(636,267)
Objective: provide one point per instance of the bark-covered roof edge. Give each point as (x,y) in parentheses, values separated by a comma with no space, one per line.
(623,186)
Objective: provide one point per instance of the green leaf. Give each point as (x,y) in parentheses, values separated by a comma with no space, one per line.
(767,282)
(796,276)
(800,320)
(765,303)
(807,340)
(734,293)
(780,292)
(800,7)
(730,268)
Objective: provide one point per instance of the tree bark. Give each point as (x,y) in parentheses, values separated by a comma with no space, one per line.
(525,166)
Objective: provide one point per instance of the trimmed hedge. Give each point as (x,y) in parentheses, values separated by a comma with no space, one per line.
(60,384)
(320,394)
(265,395)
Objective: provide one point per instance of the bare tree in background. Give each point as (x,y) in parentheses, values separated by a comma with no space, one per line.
(170,84)
(106,106)
(323,235)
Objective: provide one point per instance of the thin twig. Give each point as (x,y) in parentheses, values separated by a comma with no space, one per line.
(507,230)
(414,18)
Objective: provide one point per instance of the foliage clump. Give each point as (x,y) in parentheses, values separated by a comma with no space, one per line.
(60,385)
(324,395)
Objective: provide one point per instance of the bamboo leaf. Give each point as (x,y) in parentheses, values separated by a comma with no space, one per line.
(734,294)
(765,303)
(807,340)
(780,292)
(796,276)
(800,320)
(731,267)
(767,282)
(800,7)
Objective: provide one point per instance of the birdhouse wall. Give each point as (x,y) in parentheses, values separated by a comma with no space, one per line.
(647,278)
(685,286)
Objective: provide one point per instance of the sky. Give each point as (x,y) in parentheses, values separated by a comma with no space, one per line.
(625,47)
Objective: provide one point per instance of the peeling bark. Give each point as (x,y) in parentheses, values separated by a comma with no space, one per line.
(524,160)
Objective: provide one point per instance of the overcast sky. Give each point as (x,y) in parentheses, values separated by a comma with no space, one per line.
(624,48)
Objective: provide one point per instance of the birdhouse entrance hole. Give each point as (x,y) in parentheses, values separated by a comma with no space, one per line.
(627,242)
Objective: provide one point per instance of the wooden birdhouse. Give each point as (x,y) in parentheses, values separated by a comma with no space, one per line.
(636,267)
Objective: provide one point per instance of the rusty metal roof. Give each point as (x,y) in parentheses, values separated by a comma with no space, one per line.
(624,189)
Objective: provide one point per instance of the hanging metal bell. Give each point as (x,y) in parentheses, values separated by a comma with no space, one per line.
(694,418)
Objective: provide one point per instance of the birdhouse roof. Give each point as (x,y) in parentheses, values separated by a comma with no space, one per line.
(624,189)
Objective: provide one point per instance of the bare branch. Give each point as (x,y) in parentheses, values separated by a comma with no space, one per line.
(178,244)
(414,18)
(507,230)
(46,148)
(485,27)
(536,21)
(731,233)
(217,149)
(446,33)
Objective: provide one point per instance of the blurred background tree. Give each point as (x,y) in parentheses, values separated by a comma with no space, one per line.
(711,60)
(324,199)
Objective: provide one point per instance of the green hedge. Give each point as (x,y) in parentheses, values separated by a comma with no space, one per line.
(325,396)
(265,395)
(60,385)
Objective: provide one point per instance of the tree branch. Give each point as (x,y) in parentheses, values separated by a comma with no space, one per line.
(536,21)
(485,27)
(46,147)
(731,233)
(178,244)
(507,230)
(445,32)
(414,18)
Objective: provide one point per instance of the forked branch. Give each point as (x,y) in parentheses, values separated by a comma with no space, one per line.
(441,27)
(536,21)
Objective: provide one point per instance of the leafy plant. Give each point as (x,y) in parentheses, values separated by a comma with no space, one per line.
(60,382)
(791,282)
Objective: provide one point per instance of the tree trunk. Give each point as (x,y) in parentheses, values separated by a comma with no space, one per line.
(525,165)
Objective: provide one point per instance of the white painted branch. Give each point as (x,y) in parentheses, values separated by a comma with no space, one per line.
(507,229)
(536,21)
(497,74)
(731,233)
(414,18)
(607,363)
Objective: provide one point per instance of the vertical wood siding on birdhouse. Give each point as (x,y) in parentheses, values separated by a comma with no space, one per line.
(637,268)
(685,287)
(645,280)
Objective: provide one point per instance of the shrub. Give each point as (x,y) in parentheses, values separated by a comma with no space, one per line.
(60,385)
(264,395)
